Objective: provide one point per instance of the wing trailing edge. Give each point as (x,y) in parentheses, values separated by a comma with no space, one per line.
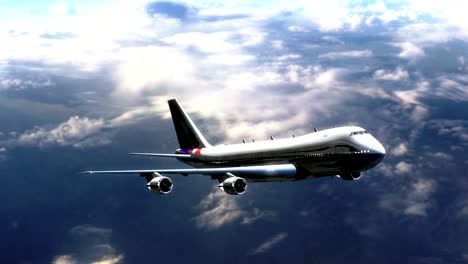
(262,170)
(181,156)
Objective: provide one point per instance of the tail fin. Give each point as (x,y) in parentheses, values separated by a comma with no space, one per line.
(187,133)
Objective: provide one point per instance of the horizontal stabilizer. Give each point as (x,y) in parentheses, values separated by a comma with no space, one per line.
(182,156)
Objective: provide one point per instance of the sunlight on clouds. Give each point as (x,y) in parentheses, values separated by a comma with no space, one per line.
(347,54)
(144,67)
(326,78)
(411,200)
(400,150)
(412,96)
(270,243)
(91,245)
(397,75)
(452,12)
(65,259)
(409,50)
(328,15)
(219,209)
(3,152)
(403,167)
(109,260)
(71,132)
(418,203)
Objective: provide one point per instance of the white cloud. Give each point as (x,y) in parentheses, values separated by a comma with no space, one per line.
(219,209)
(411,96)
(313,77)
(419,113)
(409,50)
(454,128)
(19,84)
(270,243)
(440,156)
(82,132)
(332,39)
(64,259)
(92,246)
(297,29)
(408,96)
(3,152)
(74,132)
(330,15)
(208,62)
(289,57)
(277,44)
(196,62)
(326,78)
(411,200)
(452,88)
(109,260)
(411,101)
(217,42)
(255,215)
(347,54)
(403,167)
(145,68)
(397,75)
(417,201)
(461,60)
(400,150)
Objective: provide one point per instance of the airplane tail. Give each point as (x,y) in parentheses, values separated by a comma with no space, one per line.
(187,133)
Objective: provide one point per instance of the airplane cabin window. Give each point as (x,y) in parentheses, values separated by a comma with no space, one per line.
(358,133)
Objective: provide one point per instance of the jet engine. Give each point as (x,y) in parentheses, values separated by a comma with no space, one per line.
(350,176)
(234,185)
(160,184)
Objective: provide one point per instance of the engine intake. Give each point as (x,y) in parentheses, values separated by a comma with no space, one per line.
(160,184)
(234,185)
(350,176)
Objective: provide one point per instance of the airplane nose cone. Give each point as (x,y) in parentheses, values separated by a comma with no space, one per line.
(380,149)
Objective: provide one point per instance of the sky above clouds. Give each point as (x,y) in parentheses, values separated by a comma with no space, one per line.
(84,83)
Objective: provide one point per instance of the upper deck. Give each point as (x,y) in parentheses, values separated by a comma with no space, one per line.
(309,142)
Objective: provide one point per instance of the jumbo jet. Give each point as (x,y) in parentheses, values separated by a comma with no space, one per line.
(344,152)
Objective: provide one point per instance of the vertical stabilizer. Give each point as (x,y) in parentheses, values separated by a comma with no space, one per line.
(187,133)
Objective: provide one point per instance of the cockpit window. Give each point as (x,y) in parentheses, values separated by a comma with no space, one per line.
(358,133)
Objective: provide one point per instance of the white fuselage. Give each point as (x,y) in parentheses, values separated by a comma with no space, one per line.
(326,152)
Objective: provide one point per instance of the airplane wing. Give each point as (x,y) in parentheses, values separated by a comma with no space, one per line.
(183,156)
(262,170)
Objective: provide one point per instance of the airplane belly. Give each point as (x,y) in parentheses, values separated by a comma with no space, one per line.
(334,164)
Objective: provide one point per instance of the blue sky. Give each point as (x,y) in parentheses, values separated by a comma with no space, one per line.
(82,84)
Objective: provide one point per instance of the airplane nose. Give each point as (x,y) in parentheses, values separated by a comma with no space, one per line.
(380,149)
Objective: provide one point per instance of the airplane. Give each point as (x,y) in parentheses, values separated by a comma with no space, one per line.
(344,152)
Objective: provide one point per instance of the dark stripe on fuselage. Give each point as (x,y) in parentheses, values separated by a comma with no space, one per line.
(316,164)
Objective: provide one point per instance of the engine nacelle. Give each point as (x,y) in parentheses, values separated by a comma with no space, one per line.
(160,184)
(234,185)
(353,176)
